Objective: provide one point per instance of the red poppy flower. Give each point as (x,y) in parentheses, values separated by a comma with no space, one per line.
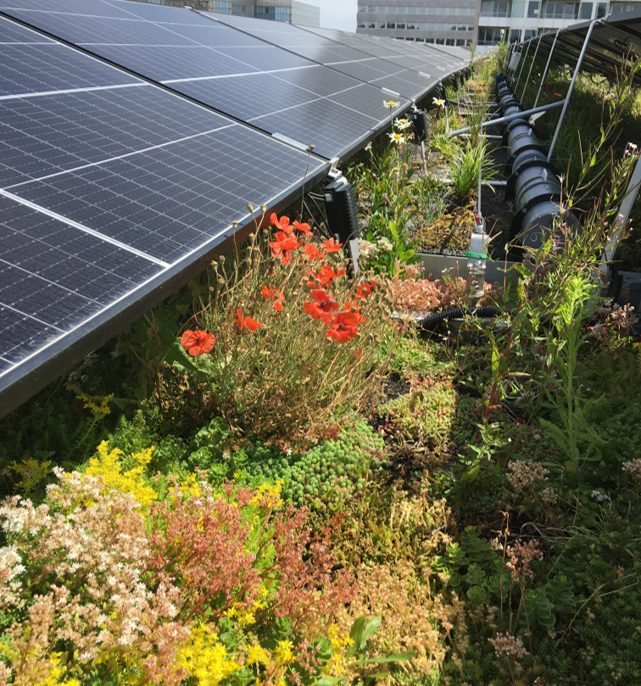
(275,295)
(343,326)
(322,308)
(281,223)
(283,244)
(303,228)
(341,333)
(348,317)
(365,288)
(278,303)
(248,323)
(197,342)
(312,252)
(332,246)
(325,276)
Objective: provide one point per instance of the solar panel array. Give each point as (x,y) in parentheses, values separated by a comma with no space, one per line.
(125,162)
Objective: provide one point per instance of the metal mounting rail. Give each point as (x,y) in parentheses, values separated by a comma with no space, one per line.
(510,117)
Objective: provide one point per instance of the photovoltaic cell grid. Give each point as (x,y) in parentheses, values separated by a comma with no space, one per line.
(437,61)
(234,72)
(377,70)
(106,190)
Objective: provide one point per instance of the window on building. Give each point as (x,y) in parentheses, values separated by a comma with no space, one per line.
(559,10)
(529,33)
(533,8)
(495,8)
(585,10)
(601,10)
(491,35)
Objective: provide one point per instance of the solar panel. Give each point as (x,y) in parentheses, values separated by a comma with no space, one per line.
(436,61)
(344,57)
(40,136)
(191,53)
(166,200)
(105,194)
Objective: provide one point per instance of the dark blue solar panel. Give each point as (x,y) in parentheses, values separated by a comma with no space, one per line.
(180,61)
(319,80)
(53,276)
(213,34)
(174,199)
(369,100)
(21,335)
(345,56)
(46,135)
(84,28)
(108,184)
(95,7)
(155,12)
(12,33)
(50,67)
(66,256)
(322,123)
(165,64)
(238,95)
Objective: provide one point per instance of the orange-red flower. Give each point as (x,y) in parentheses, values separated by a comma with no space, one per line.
(274,294)
(197,342)
(282,246)
(343,326)
(267,292)
(248,323)
(312,252)
(303,228)
(365,288)
(281,223)
(325,276)
(323,307)
(332,246)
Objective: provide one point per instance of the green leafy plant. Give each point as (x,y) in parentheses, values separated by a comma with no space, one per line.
(470,164)
(369,668)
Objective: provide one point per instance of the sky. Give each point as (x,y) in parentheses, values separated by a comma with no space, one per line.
(337,14)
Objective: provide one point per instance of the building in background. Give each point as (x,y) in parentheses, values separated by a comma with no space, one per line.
(478,22)
(291,11)
(517,20)
(443,22)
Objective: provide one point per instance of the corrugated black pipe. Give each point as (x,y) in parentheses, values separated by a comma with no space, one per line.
(433,319)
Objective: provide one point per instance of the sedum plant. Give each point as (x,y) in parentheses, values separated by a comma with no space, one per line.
(117,578)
